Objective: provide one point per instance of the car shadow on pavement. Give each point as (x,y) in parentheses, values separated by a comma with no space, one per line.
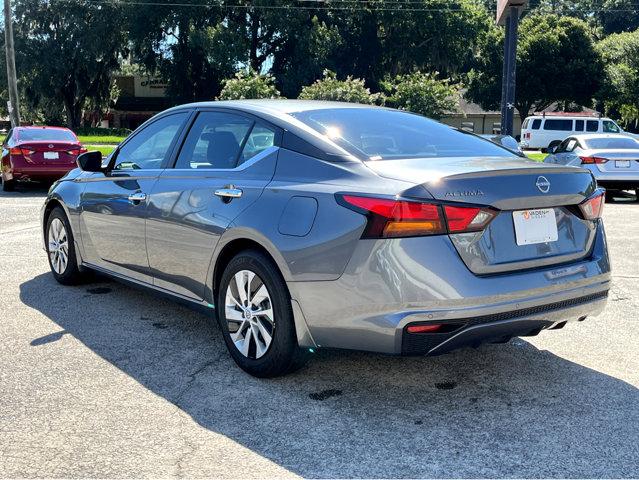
(502,410)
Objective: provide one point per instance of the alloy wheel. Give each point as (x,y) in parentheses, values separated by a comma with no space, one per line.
(58,246)
(249,314)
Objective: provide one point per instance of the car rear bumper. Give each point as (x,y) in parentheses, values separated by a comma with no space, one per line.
(391,284)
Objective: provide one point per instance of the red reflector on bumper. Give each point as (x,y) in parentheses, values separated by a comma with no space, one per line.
(423,328)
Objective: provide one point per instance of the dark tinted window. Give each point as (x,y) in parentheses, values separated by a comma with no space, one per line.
(592,125)
(149,147)
(380,134)
(214,141)
(536,124)
(561,125)
(579,125)
(605,143)
(46,135)
(610,127)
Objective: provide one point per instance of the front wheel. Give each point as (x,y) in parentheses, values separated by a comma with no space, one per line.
(255,314)
(60,249)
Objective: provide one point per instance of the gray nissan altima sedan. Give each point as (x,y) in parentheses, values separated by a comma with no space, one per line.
(310,225)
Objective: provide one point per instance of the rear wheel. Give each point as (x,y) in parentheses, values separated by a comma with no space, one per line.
(255,314)
(7,185)
(60,249)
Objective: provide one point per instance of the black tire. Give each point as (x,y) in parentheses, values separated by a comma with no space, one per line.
(610,196)
(71,275)
(7,185)
(283,354)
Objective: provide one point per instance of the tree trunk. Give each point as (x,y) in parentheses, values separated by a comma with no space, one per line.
(254,61)
(73,110)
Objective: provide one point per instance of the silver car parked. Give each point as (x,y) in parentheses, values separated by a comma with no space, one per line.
(302,225)
(613,159)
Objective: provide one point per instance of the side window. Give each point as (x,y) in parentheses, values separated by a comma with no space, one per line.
(610,127)
(260,139)
(6,140)
(570,146)
(148,148)
(579,125)
(536,124)
(559,125)
(592,125)
(214,141)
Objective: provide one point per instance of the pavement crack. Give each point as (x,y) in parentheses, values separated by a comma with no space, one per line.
(190,381)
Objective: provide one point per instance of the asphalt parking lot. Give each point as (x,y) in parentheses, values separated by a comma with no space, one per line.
(102,380)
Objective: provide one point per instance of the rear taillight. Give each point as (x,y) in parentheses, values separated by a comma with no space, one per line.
(21,151)
(592,160)
(391,218)
(592,208)
(77,151)
(467,219)
(527,136)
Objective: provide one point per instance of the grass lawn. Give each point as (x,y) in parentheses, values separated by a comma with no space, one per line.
(100,139)
(105,149)
(537,156)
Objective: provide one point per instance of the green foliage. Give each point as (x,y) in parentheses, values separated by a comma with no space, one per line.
(96,131)
(249,85)
(67,51)
(556,62)
(620,92)
(422,93)
(101,139)
(330,88)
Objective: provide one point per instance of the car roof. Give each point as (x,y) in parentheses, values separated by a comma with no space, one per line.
(576,116)
(278,105)
(40,127)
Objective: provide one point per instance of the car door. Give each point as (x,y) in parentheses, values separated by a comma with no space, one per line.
(113,204)
(222,167)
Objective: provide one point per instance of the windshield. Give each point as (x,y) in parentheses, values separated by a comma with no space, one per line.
(381,134)
(44,134)
(612,143)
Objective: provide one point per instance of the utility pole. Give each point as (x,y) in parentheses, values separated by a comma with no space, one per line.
(508,12)
(12,81)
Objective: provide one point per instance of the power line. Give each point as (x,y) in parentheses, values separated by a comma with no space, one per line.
(361,6)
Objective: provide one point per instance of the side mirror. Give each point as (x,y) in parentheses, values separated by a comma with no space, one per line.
(552,149)
(90,162)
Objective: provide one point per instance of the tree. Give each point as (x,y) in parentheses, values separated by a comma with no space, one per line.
(556,62)
(249,85)
(349,90)
(422,93)
(620,92)
(67,52)
(192,49)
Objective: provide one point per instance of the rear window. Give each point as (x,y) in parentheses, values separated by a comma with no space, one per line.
(525,125)
(45,134)
(536,124)
(612,143)
(561,125)
(380,134)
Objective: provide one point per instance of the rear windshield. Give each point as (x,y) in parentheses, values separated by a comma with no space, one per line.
(42,134)
(614,143)
(380,134)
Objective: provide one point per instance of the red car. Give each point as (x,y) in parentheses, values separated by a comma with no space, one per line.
(38,153)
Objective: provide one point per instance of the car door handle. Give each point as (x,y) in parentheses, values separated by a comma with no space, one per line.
(137,197)
(229,192)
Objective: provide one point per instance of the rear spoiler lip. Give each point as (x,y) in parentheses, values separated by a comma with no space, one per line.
(550,169)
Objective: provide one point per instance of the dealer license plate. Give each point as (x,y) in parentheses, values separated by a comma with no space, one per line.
(622,163)
(535,226)
(51,155)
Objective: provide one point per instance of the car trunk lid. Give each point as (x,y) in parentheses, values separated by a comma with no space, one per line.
(50,152)
(507,185)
